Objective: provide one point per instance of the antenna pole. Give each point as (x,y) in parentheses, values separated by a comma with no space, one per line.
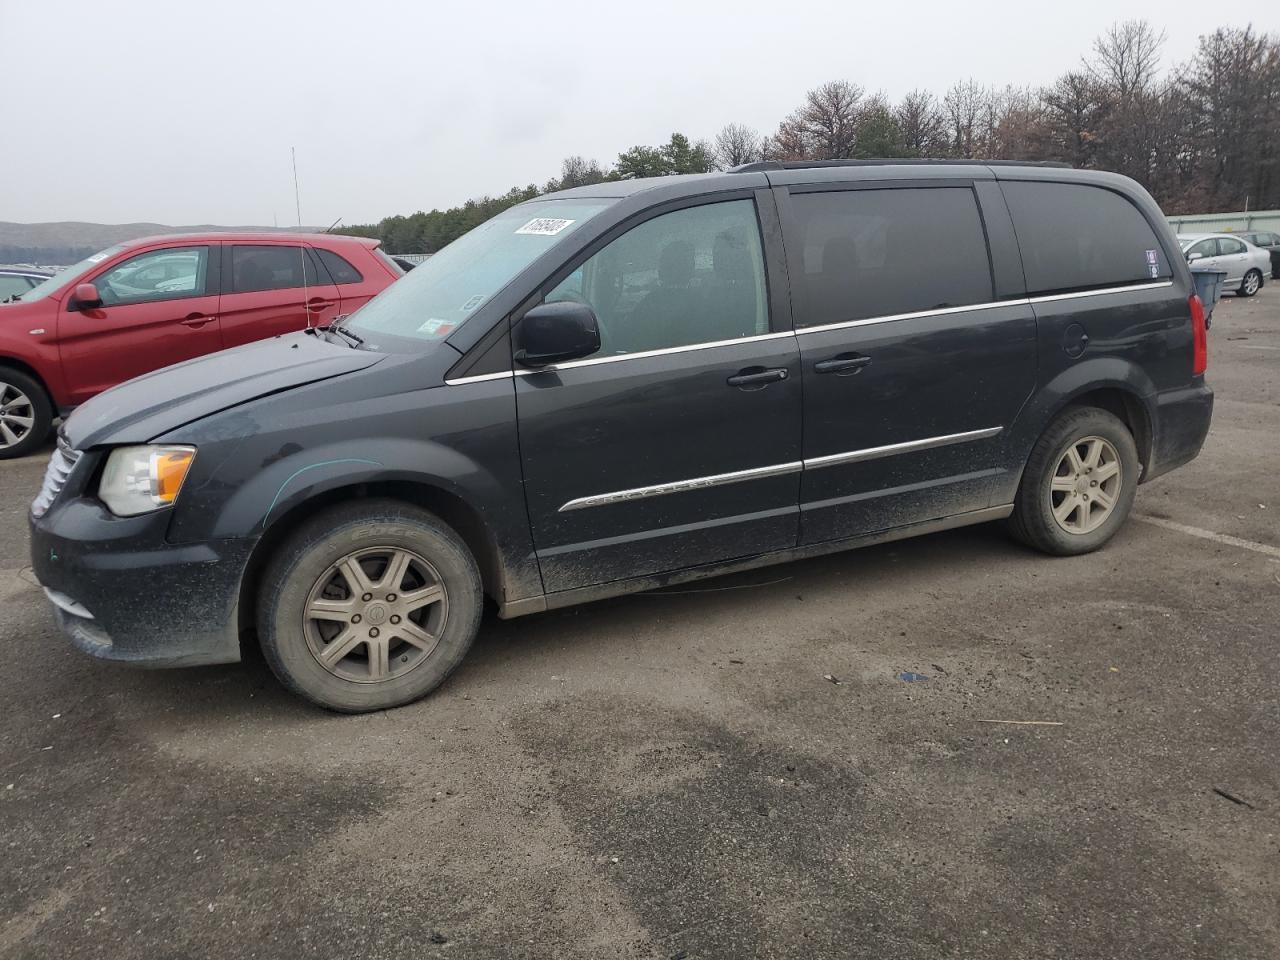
(302,250)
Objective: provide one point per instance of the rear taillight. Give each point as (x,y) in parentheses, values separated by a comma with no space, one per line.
(1199,337)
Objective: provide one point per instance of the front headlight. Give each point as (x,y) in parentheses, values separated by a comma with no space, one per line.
(141,479)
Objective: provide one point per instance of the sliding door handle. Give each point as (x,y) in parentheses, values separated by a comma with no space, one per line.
(841,365)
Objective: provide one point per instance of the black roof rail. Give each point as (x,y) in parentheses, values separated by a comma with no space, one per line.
(760,165)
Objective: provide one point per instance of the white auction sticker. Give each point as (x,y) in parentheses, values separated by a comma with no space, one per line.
(544,226)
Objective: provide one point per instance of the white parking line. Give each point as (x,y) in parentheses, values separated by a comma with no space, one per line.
(1256,346)
(1230,541)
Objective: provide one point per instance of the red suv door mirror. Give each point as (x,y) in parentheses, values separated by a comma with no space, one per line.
(87,296)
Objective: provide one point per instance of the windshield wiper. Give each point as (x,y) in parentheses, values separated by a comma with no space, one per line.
(336,327)
(12,298)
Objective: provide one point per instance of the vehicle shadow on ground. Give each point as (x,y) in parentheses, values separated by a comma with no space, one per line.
(606,631)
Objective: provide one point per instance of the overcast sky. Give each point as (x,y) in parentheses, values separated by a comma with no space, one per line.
(183,113)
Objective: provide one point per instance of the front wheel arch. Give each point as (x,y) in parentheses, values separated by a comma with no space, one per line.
(451,509)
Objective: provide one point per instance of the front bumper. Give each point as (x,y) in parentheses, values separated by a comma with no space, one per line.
(121,592)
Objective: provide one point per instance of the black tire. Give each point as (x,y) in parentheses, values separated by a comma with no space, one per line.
(311,553)
(1033,521)
(1257,276)
(40,411)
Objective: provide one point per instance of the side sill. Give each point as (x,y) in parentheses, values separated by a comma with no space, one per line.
(617,588)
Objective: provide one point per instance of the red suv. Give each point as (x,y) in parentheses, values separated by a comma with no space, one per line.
(150,303)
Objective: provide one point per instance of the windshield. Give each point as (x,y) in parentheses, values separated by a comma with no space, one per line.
(68,276)
(436,297)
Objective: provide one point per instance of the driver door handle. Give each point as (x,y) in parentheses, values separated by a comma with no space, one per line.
(756,377)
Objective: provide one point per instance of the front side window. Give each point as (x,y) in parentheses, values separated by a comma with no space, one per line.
(444,291)
(167,274)
(876,253)
(270,267)
(1205,248)
(1078,237)
(687,277)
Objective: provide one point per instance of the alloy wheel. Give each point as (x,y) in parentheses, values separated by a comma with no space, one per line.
(17,415)
(1086,485)
(1251,283)
(376,614)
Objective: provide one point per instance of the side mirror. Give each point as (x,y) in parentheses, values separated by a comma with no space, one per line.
(556,332)
(87,296)
(1193,257)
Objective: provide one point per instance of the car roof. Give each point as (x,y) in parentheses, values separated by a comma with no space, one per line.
(1208,236)
(22,272)
(816,171)
(320,239)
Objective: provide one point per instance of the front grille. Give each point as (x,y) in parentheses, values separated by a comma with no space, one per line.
(55,476)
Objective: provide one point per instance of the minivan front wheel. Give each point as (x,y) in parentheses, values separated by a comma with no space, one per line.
(368,607)
(1079,483)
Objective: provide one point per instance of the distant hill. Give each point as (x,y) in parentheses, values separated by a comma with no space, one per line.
(64,242)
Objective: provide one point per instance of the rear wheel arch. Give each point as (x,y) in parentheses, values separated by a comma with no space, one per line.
(459,515)
(1128,407)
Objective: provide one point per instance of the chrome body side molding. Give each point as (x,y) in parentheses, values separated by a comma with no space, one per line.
(777,469)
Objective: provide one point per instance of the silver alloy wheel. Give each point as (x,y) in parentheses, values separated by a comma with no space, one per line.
(1086,485)
(375,614)
(17,415)
(1252,281)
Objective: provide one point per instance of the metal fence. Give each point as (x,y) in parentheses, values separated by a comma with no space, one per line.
(1228,222)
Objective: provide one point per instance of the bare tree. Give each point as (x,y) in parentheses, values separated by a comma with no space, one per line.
(826,125)
(923,126)
(1126,59)
(964,106)
(736,144)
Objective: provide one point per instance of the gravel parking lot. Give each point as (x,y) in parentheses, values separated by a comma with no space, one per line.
(676,775)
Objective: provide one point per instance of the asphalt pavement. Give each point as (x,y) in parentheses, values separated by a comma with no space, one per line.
(732,769)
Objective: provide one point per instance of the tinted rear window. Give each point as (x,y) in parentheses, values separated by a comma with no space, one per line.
(270,268)
(340,269)
(875,253)
(1075,237)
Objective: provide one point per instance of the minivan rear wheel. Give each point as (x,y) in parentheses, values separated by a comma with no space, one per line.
(368,607)
(1078,485)
(26,415)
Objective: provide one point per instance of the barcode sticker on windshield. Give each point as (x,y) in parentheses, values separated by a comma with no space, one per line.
(544,226)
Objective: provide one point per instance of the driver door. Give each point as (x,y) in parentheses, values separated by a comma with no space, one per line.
(158,308)
(678,443)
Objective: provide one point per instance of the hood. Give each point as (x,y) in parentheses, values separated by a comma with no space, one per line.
(141,409)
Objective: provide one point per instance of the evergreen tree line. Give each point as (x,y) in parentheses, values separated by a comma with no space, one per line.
(1203,136)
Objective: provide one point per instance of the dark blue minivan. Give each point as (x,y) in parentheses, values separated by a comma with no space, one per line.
(626,385)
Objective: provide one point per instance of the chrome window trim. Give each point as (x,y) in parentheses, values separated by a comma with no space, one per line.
(1099,293)
(940,312)
(803,331)
(680,486)
(479,378)
(665,351)
(893,449)
(778,469)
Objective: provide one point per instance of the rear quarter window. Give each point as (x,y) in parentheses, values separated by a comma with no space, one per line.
(340,269)
(1079,237)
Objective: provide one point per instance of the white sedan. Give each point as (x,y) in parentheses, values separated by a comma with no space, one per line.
(1244,263)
